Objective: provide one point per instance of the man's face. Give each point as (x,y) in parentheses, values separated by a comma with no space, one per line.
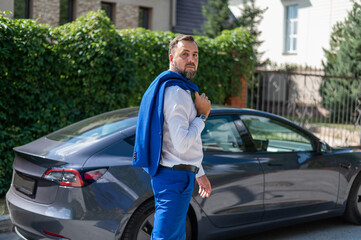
(184,59)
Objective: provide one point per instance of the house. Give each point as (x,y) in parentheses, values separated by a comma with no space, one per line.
(292,31)
(151,14)
(296,31)
(181,16)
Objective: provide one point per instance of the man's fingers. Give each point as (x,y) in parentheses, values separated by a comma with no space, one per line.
(204,186)
(203,192)
(196,94)
(203,95)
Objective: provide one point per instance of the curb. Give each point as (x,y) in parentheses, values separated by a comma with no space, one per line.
(5,224)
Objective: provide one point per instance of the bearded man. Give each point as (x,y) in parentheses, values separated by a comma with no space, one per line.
(168,141)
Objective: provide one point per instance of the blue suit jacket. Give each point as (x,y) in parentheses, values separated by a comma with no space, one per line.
(149,131)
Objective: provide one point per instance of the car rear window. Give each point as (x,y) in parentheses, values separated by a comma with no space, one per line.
(97,127)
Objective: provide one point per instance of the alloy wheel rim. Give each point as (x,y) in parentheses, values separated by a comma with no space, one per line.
(146,228)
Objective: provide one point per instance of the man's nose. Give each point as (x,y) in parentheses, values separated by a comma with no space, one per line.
(191,58)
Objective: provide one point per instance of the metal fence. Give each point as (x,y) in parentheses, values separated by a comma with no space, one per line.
(328,106)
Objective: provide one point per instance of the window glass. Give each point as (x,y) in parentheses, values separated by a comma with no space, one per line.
(274,136)
(291,28)
(21,9)
(66,11)
(144,14)
(97,127)
(221,135)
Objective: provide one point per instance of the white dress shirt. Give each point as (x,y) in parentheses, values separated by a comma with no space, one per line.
(182,143)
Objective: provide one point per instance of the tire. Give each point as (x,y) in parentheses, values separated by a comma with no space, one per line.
(141,223)
(353,207)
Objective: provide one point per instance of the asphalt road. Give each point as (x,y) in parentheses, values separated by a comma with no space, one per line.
(330,229)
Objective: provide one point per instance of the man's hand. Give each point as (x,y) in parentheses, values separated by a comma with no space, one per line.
(204,186)
(202,104)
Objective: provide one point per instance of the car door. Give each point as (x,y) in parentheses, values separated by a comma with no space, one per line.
(235,174)
(298,179)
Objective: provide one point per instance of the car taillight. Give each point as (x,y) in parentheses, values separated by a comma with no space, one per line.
(65,177)
(72,177)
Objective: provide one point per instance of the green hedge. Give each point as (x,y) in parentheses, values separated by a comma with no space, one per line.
(51,77)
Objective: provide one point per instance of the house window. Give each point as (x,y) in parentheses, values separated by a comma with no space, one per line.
(66,11)
(291,28)
(144,17)
(22,9)
(109,9)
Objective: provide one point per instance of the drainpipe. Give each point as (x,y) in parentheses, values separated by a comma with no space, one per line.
(172,17)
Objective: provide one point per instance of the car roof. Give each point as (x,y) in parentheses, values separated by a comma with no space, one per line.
(220,109)
(216,109)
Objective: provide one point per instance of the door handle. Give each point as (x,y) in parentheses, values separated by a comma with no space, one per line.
(345,165)
(275,164)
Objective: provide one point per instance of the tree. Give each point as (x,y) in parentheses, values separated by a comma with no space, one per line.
(344,56)
(217,17)
(343,59)
(251,17)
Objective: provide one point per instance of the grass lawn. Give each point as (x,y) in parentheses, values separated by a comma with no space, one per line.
(3,208)
(349,127)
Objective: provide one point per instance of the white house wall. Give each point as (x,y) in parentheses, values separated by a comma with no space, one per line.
(315,21)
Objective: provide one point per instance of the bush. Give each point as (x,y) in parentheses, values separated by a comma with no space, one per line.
(51,77)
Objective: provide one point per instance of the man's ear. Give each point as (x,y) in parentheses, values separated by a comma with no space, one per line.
(171,57)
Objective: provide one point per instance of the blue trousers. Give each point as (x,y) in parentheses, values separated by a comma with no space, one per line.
(172,193)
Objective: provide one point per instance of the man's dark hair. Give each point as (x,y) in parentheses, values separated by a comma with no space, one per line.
(179,38)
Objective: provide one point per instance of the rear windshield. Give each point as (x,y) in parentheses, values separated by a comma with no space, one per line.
(97,127)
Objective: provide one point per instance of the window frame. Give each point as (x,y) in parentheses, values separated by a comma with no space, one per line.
(291,23)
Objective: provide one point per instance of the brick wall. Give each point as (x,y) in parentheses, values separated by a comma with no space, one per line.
(82,7)
(46,11)
(126,16)
(241,99)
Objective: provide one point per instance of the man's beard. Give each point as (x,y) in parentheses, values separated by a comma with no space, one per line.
(189,75)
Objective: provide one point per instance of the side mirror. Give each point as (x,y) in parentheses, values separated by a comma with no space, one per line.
(323,147)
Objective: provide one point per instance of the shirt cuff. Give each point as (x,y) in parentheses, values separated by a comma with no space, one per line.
(201,171)
(199,124)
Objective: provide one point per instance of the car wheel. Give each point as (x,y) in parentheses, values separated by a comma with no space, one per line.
(353,207)
(140,225)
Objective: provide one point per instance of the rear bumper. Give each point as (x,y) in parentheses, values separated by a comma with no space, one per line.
(33,220)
